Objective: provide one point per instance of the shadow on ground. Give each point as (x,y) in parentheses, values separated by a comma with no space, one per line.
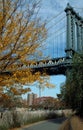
(52,124)
(57,120)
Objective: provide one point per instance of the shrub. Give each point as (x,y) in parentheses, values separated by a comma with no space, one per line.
(3,128)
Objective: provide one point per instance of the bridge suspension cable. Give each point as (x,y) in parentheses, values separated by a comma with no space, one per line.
(80,10)
(56,38)
(77,8)
(60,13)
(56,23)
(56,32)
(56,47)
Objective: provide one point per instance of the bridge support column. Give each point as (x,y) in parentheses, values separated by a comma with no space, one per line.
(68,11)
(74,40)
(79,36)
(82,36)
(74,43)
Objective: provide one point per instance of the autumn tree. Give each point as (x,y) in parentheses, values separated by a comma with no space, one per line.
(72,90)
(21,36)
(47,103)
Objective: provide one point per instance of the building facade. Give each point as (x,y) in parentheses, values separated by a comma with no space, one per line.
(31,98)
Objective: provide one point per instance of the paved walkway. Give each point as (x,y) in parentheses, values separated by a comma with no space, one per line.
(45,125)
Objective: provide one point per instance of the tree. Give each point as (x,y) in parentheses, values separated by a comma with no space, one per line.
(21,36)
(12,96)
(72,91)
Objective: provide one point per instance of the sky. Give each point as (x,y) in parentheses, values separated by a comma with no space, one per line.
(56,80)
(48,10)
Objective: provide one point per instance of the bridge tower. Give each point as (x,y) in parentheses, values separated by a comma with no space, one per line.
(74,40)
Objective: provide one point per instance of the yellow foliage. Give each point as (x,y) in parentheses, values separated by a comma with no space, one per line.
(5,96)
(20,37)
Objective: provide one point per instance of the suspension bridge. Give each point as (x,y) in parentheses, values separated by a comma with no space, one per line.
(64,42)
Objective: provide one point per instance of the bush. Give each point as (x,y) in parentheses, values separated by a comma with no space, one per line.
(3,128)
(17,118)
(72,91)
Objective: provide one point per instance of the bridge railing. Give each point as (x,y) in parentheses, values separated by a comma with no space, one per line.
(49,63)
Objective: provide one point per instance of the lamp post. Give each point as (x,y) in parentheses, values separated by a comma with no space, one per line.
(39,90)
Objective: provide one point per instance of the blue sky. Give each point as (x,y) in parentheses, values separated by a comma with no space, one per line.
(56,80)
(50,8)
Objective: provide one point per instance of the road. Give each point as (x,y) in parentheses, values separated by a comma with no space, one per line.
(46,125)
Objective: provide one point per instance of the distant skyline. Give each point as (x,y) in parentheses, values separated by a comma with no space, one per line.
(57,80)
(50,8)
